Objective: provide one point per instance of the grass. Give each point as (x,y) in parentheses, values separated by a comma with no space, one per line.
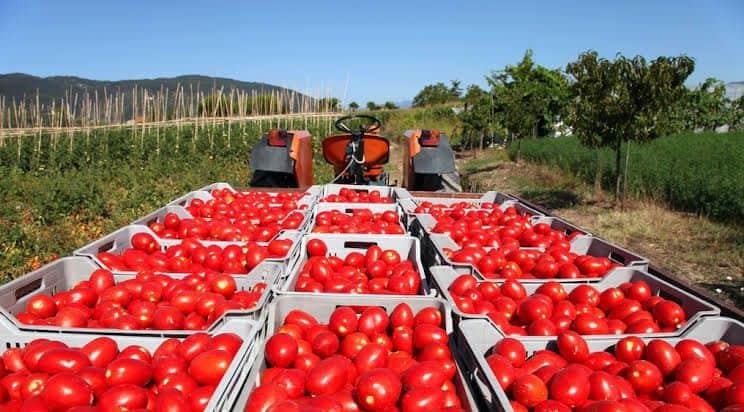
(701,250)
(699,173)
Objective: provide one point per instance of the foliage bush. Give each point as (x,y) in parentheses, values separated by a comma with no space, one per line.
(700,173)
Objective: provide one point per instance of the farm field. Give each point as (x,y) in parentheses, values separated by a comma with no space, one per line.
(699,173)
(61,191)
(700,250)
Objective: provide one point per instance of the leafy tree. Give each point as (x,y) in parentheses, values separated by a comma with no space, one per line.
(704,107)
(433,94)
(478,117)
(390,106)
(530,97)
(354,106)
(737,114)
(455,89)
(624,100)
(372,106)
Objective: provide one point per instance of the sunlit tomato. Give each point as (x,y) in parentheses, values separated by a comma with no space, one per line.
(511,349)
(100,351)
(123,397)
(66,390)
(572,347)
(570,386)
(41,306)
(529,390)
(378,389)
(328,376)
(208,367)
(696,373)
(62,360)
(343,321)
(128,371)
(316,247)
(281,350)
(644,376)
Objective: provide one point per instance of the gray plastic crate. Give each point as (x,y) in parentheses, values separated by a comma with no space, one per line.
(218,186)
(694,307)
(321,308)
(159,215)
(224,393)
(181,212)
(341,245)
(348,208)
(186,199)
(119,240)
(63,274)
(478,337)
(334,189)
(583,245)
(488,197)
(559,224)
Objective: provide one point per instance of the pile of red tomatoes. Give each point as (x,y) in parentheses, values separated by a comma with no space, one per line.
(494,228)
(634,376)
(191,256)
(47,375)
(631,307)
(228,204)
(144,301)
(515,263)
(346,195)
(359,221)
(263,226)
(377,271)
(367,361)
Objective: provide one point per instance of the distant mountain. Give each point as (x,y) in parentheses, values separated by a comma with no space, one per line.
(18,85)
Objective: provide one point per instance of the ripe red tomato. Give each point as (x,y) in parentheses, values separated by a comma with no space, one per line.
(281,350)
(378,390)
(529,390)
(644,376)
(316,247)
(572,347)
(328,376)
(570,386)
(66,390)
(100,351)
(128,371)
(208,367)
(59,360)
(512,350)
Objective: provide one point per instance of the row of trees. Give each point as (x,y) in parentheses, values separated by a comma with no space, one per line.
(604,102)
(354,106)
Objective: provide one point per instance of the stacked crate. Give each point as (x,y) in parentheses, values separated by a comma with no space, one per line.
(284,283)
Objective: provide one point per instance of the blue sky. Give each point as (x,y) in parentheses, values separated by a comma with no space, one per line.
(368,50)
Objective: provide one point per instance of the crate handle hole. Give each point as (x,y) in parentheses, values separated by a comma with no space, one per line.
(27,289)
(106,247)
(359,244)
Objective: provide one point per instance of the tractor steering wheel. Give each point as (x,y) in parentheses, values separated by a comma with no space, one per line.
(372,123)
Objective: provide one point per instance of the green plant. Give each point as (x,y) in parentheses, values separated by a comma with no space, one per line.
(624,100)
(699,173)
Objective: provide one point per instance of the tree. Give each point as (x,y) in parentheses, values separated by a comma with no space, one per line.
(354,106)
(455,89)
(704,107)
(530,97)
(433,94)
(624,100)
(390,106)
(372,106)
(478,117)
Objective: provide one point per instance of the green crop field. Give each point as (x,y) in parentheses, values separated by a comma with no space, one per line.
(60,191)
(701,173)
